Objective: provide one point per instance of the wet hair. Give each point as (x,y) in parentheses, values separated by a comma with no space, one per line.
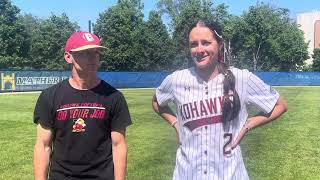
(231,103)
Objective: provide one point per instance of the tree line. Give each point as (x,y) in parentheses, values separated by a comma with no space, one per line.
(262,38)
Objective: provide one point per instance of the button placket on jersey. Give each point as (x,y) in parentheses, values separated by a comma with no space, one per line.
(204,134)
(205,150)
(206,89)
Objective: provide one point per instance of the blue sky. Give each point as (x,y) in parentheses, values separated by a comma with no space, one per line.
(81,11)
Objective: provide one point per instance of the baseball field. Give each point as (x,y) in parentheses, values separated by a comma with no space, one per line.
(288,148)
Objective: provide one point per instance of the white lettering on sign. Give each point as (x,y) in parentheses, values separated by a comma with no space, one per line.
(27,81)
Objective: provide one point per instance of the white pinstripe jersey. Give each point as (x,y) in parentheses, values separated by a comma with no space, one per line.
(204,153)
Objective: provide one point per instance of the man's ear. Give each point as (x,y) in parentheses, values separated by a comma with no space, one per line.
(68,57)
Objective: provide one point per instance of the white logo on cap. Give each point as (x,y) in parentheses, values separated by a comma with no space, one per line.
(88,37)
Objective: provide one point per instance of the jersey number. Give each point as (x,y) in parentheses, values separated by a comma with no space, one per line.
(227,136)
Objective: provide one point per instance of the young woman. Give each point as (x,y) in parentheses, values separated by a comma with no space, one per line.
(211,101)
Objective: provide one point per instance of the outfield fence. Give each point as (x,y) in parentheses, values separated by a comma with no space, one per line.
(39,80)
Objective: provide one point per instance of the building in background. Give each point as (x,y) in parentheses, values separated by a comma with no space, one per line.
(310,25)
(317,34)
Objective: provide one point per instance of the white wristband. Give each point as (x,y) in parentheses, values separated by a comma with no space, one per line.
(173,123)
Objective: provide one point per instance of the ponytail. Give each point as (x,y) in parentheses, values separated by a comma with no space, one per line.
(231,102)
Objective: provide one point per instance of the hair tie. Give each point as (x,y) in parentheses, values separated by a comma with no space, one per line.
(231,98)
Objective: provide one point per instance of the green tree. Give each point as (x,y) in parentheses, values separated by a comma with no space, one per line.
(184,14)
(13,37)
(230,27)
(157,45)
(48,41)
(120,28)
(257,27)
(289,51)
(32,27)
(31,23)
(267,39)
(316,60)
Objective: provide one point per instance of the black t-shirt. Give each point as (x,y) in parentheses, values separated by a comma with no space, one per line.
(81,122)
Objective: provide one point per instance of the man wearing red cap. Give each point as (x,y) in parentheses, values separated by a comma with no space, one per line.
(81,121)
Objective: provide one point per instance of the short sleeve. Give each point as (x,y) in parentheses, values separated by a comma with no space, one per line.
(260,94)
(164,92)
(120,116)
(43,111)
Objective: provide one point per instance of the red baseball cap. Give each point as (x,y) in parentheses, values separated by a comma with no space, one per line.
(80,41)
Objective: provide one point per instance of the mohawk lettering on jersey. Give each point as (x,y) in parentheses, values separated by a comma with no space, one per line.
(196,113)
(201,108)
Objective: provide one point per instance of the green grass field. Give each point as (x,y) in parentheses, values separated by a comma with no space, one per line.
(288,148)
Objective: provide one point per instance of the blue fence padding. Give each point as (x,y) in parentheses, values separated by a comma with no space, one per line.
(39,80)
(290,79)
(133,79)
